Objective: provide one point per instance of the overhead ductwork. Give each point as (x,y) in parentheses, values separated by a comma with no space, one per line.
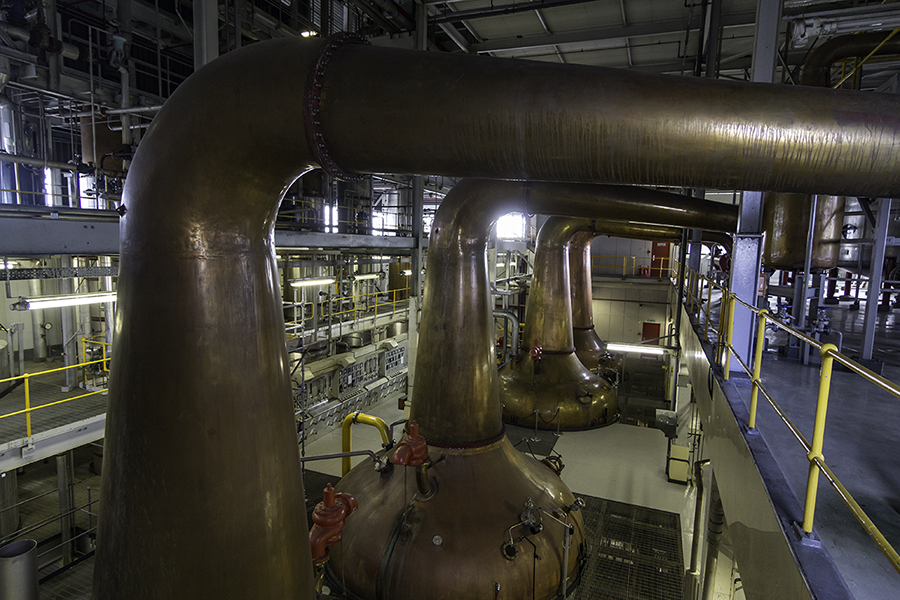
(201,453)
(549,387)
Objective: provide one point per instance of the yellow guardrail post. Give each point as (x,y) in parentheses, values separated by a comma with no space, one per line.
(708,305)
(815,452)
(624,265)
(728,336)
(757,365)
(357,417)
(26,376)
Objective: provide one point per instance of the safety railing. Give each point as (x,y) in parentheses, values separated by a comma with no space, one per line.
(813,449)
(26,380)
(346,308)
(631,266)
(701,293)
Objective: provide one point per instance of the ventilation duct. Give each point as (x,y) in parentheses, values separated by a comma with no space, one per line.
(552,389)
(201,448)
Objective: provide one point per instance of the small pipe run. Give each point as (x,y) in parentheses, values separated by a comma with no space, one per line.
(514,325)
(346,443)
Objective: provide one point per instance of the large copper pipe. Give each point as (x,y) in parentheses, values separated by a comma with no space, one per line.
(786,214)
(202,454)
(557,390)
(589,348)
(456,332)
(542,121)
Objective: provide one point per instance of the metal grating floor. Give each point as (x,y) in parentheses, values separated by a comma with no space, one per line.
(633,553)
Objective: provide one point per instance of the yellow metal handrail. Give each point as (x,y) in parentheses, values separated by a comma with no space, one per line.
(322,309)
(633,265)
(813,449)
(26,378)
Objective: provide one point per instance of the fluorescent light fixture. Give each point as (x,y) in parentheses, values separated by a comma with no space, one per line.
(635,348)
(12,264)
(500,265)
(367,276)
(309,282)
(307,33)
(58,301)
(406,272)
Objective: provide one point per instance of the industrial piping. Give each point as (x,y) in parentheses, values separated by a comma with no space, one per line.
(201,448)
(554,390)
(589,348)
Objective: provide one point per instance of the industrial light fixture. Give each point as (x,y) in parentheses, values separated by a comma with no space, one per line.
(309,282)
(367,276)
(307,33)
(9,264)
(406,272)
(635,348)
(60,301)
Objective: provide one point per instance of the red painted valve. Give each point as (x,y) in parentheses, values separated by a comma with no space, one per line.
(328,519)
(413,450)
(536,351)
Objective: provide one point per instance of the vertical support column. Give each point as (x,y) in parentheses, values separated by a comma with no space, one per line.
(418,200)
(679,303)
(39,341)
(415,282)
(69,331)
(696,251)
(765,42)
(745,266)
(54,60)
(206,32)
(109,308)
(65,522)
(875,277)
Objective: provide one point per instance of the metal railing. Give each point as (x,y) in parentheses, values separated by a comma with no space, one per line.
(693,295)
(26,379)
(632,266)
(344,306)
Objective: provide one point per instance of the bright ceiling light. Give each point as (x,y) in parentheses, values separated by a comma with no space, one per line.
(60,301)
(309,282)
(307,33)
(635,348)
(406,272)
(11,264)
(367,276)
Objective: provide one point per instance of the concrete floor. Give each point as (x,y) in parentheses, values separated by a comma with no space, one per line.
(862,439)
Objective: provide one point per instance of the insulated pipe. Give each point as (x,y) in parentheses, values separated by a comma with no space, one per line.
(197,253)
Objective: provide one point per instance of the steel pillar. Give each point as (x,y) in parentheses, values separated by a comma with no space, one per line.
(875,277)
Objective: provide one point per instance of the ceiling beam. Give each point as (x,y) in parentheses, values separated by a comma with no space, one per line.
(634,30)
